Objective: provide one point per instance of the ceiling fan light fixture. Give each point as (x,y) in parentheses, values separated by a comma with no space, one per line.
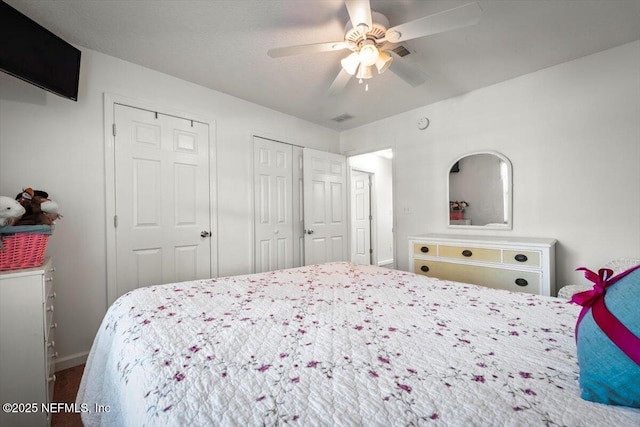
(368,53)
(383,62)
(350,63)
(364,72)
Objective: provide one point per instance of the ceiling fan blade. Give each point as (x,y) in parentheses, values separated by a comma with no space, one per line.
(306,48)
(340,82)
(406,71)
(458,17)
(359,12)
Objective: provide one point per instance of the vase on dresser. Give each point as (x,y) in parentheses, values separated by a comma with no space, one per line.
(456,214)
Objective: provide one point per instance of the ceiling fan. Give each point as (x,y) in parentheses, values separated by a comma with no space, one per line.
(371,40)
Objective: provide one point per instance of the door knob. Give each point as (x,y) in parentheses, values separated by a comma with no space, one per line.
(205,234)
(308,231)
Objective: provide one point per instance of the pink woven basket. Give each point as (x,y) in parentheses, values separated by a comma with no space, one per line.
(23,250)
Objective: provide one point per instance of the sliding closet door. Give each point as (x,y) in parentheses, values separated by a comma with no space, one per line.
(325,207)
(162,199)
(273,205)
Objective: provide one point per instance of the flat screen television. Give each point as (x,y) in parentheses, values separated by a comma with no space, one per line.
(34,54)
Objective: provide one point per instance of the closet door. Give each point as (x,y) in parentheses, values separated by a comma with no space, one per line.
(273,205)
(298,207)
(162,198)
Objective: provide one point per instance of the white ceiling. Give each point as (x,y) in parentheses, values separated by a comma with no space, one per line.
(222,44)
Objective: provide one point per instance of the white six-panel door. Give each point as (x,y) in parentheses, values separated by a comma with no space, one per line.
(162,199)
(273,205)
(360,217)
(298,206)
(325,207)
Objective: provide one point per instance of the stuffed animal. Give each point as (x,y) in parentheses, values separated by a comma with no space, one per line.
(34,214)
(25,197)
(39,209)
(50,208)
(10,211)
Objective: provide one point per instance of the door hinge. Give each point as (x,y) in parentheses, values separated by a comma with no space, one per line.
(370,217)
(371,250)
(115,221)
(113,129)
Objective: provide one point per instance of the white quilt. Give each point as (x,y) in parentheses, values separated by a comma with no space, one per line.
(337,344)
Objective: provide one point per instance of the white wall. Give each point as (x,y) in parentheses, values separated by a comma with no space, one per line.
(57,145)
(572,133)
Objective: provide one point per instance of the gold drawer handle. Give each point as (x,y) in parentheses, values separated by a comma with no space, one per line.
(52,378)
(51,344)
(50,308)
(467,253)
(53,295)
(424,249)
(53,326)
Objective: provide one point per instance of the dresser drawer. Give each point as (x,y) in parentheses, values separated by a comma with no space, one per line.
(425,249)
(48,289)
(470,253)
(49,324)
(529,258)
(491,277)
(51,355)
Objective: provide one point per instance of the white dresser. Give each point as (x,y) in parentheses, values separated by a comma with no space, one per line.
(503,262)
(27,353)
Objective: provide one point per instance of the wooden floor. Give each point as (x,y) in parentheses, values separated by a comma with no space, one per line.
(65,390)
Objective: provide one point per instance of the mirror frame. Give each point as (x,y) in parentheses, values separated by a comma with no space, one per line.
(508,225)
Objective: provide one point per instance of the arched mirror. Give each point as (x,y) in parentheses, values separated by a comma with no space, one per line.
(479,186)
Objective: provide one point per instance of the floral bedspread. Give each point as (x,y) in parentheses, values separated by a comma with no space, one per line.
(337,344)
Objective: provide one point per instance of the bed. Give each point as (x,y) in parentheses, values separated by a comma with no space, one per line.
(337,344)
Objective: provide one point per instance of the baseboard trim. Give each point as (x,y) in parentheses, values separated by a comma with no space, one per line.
(71,361)
(385,262)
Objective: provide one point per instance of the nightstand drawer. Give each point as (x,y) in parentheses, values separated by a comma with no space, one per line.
(425,249)
(469,253)
(529,258)
(491,277)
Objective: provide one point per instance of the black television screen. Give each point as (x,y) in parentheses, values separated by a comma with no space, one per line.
(34,54)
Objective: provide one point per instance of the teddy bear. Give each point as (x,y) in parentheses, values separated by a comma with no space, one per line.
(10,211)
